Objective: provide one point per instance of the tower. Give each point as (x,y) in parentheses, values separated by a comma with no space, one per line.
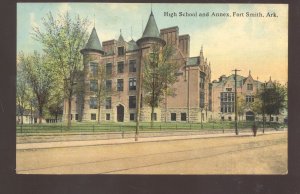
(150,37)
(92,53)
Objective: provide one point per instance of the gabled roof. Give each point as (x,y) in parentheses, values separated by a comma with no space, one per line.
(93,42)
(239,80)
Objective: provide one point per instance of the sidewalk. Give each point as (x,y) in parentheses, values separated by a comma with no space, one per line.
(62,144)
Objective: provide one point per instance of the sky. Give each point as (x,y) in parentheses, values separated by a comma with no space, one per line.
(256,44)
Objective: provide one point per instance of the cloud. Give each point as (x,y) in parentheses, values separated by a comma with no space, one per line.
(64,7)
(32,20)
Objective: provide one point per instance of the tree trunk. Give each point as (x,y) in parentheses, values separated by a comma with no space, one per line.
(166,101)
(22,118)
(69,111)
(40,114)
(152,116)
(22,113)
(31,113)
(99,114)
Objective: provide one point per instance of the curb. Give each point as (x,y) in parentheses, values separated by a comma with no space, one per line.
(83,143)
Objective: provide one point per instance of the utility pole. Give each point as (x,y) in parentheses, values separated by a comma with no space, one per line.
(235,102)
(264,99)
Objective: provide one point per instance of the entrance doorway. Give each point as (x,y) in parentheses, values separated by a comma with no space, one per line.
(249,116)
(120,113)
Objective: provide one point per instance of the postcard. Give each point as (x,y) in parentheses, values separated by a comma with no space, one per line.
(152,88)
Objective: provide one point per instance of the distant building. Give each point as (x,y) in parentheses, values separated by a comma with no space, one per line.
(123,62)
(223,98)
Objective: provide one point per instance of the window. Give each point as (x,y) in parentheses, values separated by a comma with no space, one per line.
(76,117)
(249,86)
(132,83)
(173,116)
(202,98)
(93,103)
(121,50)
(228,89)
(132,101)
(108,103)
(229,118)
(227,102)
(93,85)
(131,116)
(183,116)
(94,68)
(71,117)
(249,98)
(277,119)
(108,85)
(108,69)
(120,84)
(121,67)
(107,116)
(202,80)
(93,116)
(154,116)
(132,66)
(271,119)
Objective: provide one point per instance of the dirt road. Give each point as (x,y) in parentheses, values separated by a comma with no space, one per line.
(264,154)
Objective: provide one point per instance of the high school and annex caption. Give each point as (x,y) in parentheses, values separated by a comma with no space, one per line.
(217,14)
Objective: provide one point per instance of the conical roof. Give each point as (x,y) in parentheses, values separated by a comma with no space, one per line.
(151,32)
(151,29)
(132,45)
(93,42)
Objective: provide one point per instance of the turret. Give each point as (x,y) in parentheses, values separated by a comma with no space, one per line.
(151,33)
(93,44)
(92,53)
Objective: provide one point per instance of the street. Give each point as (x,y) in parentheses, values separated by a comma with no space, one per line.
(264,154)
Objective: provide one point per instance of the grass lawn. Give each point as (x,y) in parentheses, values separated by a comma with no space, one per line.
(130,126)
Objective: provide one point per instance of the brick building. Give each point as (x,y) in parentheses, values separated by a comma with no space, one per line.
(123,62)
(223,98)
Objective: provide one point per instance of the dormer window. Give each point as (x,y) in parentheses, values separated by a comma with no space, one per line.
(250,87)
(121,51)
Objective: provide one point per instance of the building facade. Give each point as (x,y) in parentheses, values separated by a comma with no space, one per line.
(223,98)
(122,63)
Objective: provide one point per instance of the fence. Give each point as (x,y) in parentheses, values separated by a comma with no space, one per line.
(130,127)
